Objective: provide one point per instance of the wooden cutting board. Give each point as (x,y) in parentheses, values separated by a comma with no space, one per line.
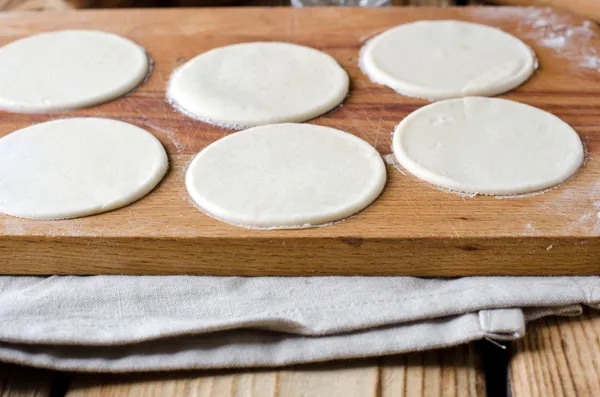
(412,229)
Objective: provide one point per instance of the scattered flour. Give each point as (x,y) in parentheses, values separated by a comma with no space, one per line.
(529,230)
(390,160)
(583,215)
(169,134)
(578,42)
(554,41)
(568,36)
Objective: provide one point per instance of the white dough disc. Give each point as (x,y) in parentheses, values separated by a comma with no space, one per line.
(447,59)
(250,84)
(70,168)
(286,176)
(487,146)
(68,69)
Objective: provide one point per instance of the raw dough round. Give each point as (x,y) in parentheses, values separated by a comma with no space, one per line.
(447,59)
(250,84)
(68,69)
(76,167)
(286,176)
(487,146)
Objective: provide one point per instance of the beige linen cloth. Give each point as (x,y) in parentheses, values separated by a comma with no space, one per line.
(120,323)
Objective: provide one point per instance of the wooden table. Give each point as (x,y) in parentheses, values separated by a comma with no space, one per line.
(557,358)
(453,372)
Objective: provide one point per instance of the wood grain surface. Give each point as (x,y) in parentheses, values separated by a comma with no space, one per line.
(412,229)
(452,372)
(559,357)
(586,8)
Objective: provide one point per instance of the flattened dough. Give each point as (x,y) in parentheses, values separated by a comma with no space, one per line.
(75,167)
(487,146)
(447,59)
(250,84)
(286,176)
(68,69)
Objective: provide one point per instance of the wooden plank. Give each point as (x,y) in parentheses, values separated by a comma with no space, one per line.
(455,372)
(412,229)
(446,373)
(332,381)
(17,381)
(559,357)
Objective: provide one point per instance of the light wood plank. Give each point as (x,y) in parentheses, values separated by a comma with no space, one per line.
(447,373)
(17,381)
(559,357)
(453,372)
(335,380)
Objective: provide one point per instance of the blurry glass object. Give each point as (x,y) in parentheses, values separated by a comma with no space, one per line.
(349,3)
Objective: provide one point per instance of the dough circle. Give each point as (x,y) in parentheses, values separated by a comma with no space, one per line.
(68,69)
(286,176)
(251,84)
(447,59)
(487,146)
(75,167)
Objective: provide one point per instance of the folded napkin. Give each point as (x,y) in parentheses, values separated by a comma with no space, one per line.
(124,324)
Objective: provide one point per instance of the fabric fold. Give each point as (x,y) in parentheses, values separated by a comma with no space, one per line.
(122,324)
